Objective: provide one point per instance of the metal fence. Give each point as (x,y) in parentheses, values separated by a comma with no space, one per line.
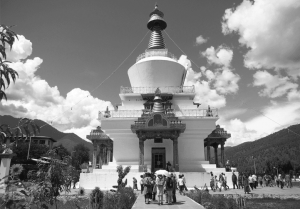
(164,89)
(178,113)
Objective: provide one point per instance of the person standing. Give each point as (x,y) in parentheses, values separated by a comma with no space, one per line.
(173,176)
(147,188)
(135,184)
(276,180)
(250,179)
(234,180)
(254,177)
(154,190)
(160,183)
(246,185)
(168,168)
(287,180)
(240,181)
(259,179)
(142,183)
(169,189)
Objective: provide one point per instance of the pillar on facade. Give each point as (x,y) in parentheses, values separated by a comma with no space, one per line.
(100,157)
(222,153)
(175,154)
(94,156)
(216,154)
(141,157)
(208,152)
(108,155)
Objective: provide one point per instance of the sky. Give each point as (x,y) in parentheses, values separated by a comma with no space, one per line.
(243,57)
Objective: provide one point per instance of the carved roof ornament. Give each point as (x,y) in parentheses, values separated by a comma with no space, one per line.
(107,113)
(157,92)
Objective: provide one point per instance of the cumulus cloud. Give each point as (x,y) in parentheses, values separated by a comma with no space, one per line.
(272,118)
(221,56)
(33,97)
(270,30)
(21,49)
(201,40)
(211,86)
(274,85)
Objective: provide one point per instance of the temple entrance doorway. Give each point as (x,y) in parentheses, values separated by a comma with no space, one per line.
(158,159)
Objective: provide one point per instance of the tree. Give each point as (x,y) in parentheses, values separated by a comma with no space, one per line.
(25,128)
(61,151)
(7,36)
(80,155)
(36,151)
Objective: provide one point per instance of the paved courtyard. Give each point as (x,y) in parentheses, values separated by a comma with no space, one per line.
(182,202)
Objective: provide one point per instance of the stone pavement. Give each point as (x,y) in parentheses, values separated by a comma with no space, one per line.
(182,202)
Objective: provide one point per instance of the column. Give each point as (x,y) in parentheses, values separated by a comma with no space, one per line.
(94,156)
(100,157)
(141,160)
(208,152)
(108,155)
(216,154)
(175,154)
(222,153)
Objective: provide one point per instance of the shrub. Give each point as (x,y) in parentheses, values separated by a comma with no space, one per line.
(213,201)
(96,198)
(123,199)
(81,191)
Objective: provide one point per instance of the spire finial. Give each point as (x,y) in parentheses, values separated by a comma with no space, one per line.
(156,24)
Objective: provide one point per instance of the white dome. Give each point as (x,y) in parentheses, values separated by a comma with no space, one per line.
(156,71)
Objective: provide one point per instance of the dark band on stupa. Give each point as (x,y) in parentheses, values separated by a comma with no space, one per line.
(156,24)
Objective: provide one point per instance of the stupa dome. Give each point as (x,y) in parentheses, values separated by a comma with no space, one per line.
(156,67)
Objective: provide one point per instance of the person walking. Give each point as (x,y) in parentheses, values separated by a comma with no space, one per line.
(169,189)
(160,183)
(184,182)
(234,180)
(180,184)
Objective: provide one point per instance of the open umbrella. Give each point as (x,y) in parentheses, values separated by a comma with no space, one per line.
(162,172)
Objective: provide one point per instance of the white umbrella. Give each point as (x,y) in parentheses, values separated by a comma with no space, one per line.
(162,172)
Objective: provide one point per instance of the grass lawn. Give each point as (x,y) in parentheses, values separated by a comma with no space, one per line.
(270,203)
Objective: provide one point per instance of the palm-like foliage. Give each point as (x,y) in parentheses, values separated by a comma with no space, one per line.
(25,128)
(8,37)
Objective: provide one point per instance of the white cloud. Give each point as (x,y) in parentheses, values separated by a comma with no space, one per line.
(21,49)
(211,86)
(274,85)
(272,118)
(33,97)
(270,29)
(201,40)
(221,56)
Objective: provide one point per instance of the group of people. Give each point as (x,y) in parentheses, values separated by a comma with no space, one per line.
(152,185)
(218,183)
(249,182)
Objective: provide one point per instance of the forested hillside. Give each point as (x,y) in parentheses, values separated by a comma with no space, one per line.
(280,150)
